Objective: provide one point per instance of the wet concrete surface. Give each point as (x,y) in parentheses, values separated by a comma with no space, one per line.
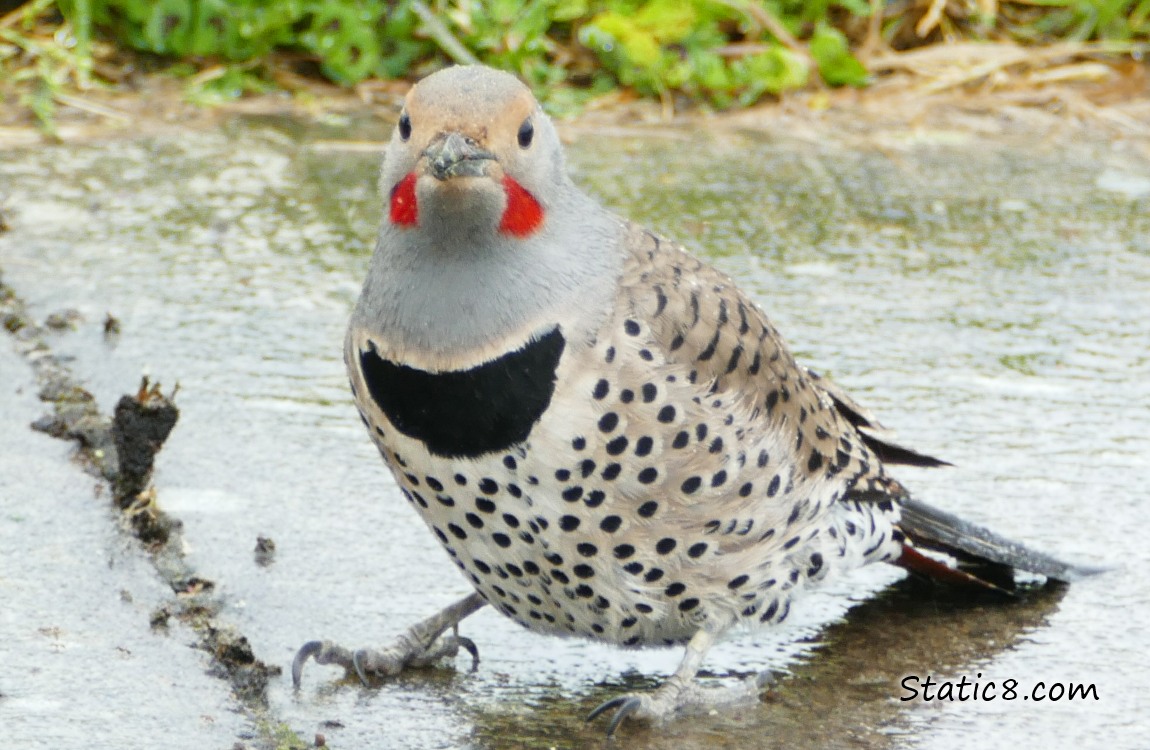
(82,667)
(989,299)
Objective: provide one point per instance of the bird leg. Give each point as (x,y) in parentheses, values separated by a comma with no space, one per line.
(681,693)
(420,646)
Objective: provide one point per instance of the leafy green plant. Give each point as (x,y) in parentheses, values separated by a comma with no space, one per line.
(656,46)
(722,52)
(831,51)
(1082,20)
(42,69)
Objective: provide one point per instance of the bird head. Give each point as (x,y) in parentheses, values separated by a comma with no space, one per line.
(485,241)
(472,152)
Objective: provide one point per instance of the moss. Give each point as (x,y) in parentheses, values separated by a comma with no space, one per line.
(280,736)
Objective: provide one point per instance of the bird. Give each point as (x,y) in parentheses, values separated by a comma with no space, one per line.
(609,438)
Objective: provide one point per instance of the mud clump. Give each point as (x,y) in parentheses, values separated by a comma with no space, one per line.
(234,660)
(265,551)
(139,428)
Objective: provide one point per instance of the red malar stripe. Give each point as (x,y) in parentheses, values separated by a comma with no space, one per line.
(404,211)
(523,214)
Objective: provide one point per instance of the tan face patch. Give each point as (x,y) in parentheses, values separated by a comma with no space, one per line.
(488,106)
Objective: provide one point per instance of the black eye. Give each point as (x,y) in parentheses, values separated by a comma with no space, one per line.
(526,133)
(405,126)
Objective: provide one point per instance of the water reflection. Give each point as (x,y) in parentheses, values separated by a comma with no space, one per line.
(846,691)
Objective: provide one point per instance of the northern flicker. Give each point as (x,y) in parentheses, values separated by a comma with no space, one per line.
(607,436)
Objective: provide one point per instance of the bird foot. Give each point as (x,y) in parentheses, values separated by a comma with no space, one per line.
(422,645)
(674,698)
(407,652)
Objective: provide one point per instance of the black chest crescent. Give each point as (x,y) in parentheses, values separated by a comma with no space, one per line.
(467,413)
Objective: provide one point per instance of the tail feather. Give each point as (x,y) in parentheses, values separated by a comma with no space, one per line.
(981,553)
(937,570)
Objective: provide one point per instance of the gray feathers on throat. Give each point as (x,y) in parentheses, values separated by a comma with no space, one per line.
(454,296)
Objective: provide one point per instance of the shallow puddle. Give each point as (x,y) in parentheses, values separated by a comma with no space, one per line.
(991,302)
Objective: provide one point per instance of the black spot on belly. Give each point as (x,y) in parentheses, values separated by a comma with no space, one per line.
(467,413)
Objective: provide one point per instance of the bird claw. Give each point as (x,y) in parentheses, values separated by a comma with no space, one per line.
(357,660)
(672,699)
(405,653)
(324,652)
(469,646)
(626,704)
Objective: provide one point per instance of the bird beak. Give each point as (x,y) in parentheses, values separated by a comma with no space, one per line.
(455,155)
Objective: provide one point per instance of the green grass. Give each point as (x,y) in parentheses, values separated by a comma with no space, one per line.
(717,53)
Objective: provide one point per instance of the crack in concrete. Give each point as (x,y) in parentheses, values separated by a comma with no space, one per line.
(121,450)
